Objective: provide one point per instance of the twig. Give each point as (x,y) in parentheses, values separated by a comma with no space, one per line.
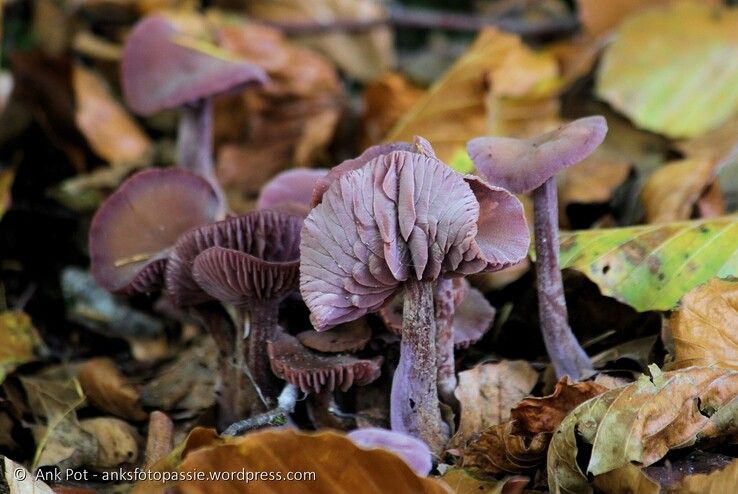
(434,19)
(159,439)
(274,417)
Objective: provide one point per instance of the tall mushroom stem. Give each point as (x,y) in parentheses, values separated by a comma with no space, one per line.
(195,142)
(444,313)
(260,326)
(567,356)
(414,398)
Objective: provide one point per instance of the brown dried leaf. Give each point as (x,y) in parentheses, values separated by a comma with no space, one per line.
(335,460)
(462,482)
(386,100)
(362,55)
(487,393)
(594,180)
(703,327)
(640,423)
(109,390)
(109,129)
(20,340)
(672,191)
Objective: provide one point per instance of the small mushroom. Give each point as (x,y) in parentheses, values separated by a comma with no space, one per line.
(525,165)
(163,67)
(402,221)
(134,230)
(347,337)
(313,372)
(415,453)
(249,262)
(290,191)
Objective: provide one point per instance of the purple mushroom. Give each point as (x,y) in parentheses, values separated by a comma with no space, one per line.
(164,68)
(415,453)
(291,191)
(247,262)
(402,220)
(525,165)
(134,230)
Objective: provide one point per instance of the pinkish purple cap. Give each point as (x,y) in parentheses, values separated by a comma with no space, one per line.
(133,231)
(521,165)
(291,191)
(160,73)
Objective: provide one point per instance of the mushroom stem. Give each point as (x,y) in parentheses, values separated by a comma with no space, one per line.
(567,356)
(444,312)
(260,326)
(414,398)
(195,142)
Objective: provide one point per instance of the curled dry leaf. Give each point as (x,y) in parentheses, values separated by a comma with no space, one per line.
(594,180)
(107,126)
(463,482)
(520,443)
(361,55)
(386,100)
(109,390)
(487,393)
(651,267)
(17,480)
(660,70)
(20,341)
(640,423)
(672,191)
(335,460)
(703,327)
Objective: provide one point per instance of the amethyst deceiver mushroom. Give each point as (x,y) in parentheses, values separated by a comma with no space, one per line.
(401,221)
(290,191)
(525,165)
(135,228)
(413,451)
(165,68)
(251,263)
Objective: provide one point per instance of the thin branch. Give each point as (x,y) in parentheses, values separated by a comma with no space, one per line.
(274,417)
(434,19)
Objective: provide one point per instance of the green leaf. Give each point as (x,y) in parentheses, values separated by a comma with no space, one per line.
(674,71)
(651,267)
(461,161)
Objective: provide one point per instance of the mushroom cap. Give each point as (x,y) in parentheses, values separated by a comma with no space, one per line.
(257,256)
(291,191)
(348,337)
(415,452)
(313,372)
(419,145)
(402,215)
(133,231)
(521,165)
(163,68)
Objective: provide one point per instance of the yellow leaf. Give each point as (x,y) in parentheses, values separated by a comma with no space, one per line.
(19,341)
(671,192)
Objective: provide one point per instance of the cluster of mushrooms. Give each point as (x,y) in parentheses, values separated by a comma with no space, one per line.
(392,232)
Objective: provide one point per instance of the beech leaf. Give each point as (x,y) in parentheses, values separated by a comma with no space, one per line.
(652,267)
(703,328)
(20,341)
(673,70)
(641,422)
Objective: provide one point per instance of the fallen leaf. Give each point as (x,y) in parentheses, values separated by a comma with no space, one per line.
(386,100)
(672,191)
(117,441)
(17,480)
(361,55)
(7,176)
(661,69)
(593,181)
(714,144)
(463,482)
(109,390)
(599,16)
(54,396)
(20,341)
(640,423)
(334,459)
(520,444)
(108,127)
(487,393)
(715,482)
(651,267)
(703,327)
